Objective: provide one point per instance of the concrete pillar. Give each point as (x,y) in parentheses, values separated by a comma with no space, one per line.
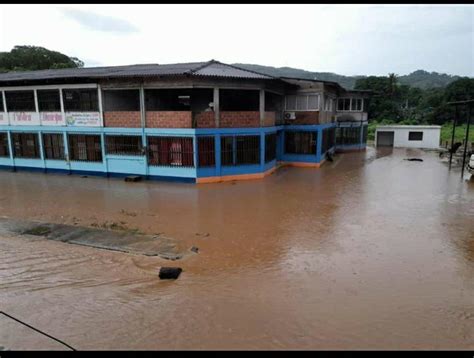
(36,101)
(10,149)
(41,149)
(4,99)
(217,151)
(262,107)
(217,109)
(101,113)
(61,101)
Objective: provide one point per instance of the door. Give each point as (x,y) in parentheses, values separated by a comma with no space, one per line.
(385,139)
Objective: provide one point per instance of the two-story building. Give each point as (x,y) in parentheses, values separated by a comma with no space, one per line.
(197,122)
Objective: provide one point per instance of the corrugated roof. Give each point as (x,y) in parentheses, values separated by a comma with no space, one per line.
(210,68)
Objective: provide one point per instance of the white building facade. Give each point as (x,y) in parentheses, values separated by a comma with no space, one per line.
(405,136)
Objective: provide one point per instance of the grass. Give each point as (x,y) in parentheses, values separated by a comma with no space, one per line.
(459,133)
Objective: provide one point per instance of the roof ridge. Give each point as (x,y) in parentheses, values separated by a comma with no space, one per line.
(244,69)
(205,64)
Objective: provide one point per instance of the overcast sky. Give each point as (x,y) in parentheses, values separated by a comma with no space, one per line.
(345,39)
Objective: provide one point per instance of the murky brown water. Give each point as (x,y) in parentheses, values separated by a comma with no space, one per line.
(368,252)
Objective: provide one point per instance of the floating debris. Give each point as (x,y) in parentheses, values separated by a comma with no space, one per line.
(195,249)
(414,159)
(169,273)
(133,178)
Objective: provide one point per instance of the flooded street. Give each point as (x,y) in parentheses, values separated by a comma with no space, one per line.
(368,252)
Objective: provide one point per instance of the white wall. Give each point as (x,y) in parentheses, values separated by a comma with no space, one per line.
(431,136)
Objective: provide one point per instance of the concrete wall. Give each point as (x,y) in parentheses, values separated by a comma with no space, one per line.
(431,136)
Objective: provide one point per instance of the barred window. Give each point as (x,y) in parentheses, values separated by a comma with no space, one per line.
(25,145)
(329,135)
(240,150)
(348,135)
(1,102)
(87,148)
(206,152)
(20,101)
(171,151)
(4,152)
(270,147)
(300,142)
(123,145)
(48,100)
(53,146)
(415,136)
(227,150)
(81,100)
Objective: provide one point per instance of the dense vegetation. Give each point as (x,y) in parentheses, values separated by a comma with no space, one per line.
(25,58)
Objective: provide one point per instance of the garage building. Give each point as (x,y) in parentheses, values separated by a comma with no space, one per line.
(403,136)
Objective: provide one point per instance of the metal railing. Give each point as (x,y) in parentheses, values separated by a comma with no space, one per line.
(170,151)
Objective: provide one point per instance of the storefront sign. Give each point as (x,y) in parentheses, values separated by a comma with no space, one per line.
(24,119)
(52,119)
(83,119)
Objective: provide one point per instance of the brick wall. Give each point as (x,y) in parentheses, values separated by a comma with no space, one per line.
(305,117)
(269,120)
(205,119)
(235,119)
(169,119)
(129,119)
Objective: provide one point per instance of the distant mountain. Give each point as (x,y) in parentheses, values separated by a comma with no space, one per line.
(420,78)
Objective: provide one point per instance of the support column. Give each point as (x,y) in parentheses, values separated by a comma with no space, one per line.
(143,124)
(4,99)
(36,101)
(101,113)
(61,103)
(66,150)
(217,152)
(319,144)
(10,149)
(41,148)
(262,107)
(217,110)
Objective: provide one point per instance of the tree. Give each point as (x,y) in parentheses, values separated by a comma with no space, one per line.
(26,58)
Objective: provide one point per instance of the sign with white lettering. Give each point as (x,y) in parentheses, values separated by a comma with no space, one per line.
(24,119)
(3,118)
(83,119)
(52,119)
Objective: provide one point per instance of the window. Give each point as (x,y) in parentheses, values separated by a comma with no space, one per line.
(239,150)
(364,134)
(206,152)
(4,152)
(227,150)
(20,101)
(356,104)
(302,102)
(171,151)
(25,145)
(348,135)
(329,136)
(121,100)
(328,104)
(343,104)
(2,109)
(81,100)
(415,136)
(123,145)
(300,142)
(53,146)
(87,148)
(48,100)
(270,147)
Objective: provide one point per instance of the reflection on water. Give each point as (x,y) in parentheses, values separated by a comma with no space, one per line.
(370,251)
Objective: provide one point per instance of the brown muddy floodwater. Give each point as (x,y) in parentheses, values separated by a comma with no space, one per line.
(368,252)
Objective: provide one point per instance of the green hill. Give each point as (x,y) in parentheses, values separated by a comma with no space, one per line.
(420,78)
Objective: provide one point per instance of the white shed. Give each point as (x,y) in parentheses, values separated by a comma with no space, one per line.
(408,136)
